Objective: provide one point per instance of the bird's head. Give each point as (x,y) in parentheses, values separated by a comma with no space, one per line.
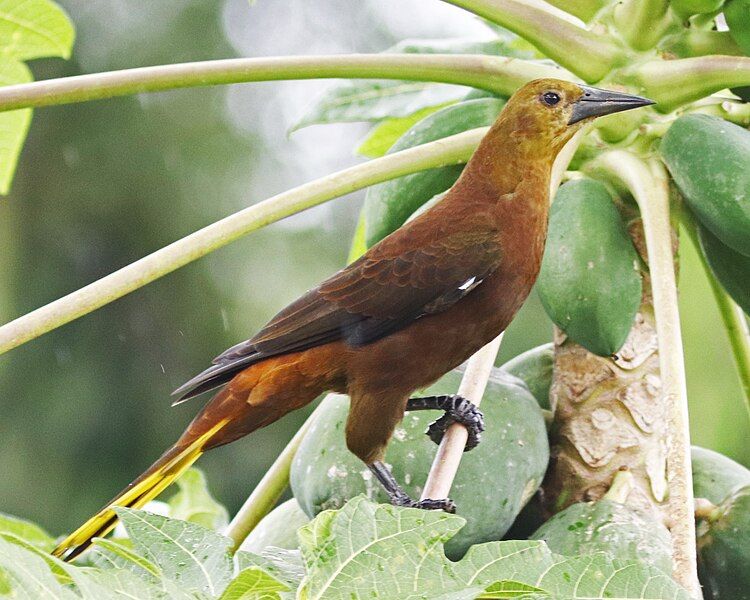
(551,110)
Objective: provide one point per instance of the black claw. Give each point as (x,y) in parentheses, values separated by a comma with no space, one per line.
(445,504)
(459,410)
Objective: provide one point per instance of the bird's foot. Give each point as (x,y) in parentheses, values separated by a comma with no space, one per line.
(445,504)
(399,497)
(457,410)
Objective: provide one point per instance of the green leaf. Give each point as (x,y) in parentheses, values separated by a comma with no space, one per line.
(192,556)
(284,565)
(254,584)
(56,566)
(194,503)
(372,100)
(13,125)
(27,531)
(512,589)
(389,204)
(370,550)
(113,554)
(28,576)
(34,28)
(387,132)
(120,584)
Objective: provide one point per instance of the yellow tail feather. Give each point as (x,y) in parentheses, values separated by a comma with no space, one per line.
(144,489)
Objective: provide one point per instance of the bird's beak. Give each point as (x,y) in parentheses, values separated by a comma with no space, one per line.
(596,102)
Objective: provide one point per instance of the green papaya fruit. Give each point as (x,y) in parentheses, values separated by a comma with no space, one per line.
(724,549)
(495,479)
(607,526)
(389,204)
(534,368)
(708,158)
(731,269)
(589,282)
(278,528)
(737,15)
(716,475)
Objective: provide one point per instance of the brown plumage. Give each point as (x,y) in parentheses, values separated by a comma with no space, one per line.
(416,305)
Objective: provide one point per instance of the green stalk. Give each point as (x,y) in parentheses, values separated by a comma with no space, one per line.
(583,9)
(733,316)
(675,82)
(642,22)
(700,42)
(455,149)
(589,55)
(647,181)
(268,491)
(497,74)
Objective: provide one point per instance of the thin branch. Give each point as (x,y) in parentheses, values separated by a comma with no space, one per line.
(733,316)
(268,491)
(675,82)
(494,73)
(642,22)
(448,456)
(451,150)
(648,183)
(589,55)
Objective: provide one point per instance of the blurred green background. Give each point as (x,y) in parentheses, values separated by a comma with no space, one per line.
(86,408)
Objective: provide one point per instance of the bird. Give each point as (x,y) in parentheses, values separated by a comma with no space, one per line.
(414,306)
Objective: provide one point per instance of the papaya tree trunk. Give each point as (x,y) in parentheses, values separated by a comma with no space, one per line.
(610,416)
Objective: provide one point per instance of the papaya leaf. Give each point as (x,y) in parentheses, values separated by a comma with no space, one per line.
(372,100)
(191,556)
(513,589)
(28,576)
(55,566)
(388,205)
(195,504)
(13,125)
(387,132)
(33,29)
(375,100)
(254,583)
(27,531)
(284,565)
(112,554)
(371,550)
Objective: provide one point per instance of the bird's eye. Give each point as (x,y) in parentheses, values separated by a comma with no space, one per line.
(550,98)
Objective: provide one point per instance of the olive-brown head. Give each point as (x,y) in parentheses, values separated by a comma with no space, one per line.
(550,111)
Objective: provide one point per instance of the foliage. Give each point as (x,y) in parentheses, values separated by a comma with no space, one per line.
(365,549)
(28,30)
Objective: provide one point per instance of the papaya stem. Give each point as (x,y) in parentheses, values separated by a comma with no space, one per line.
(590,56)
(642,22)
(494,73)
(583,9)
(705,509)
(622,485)
(700,42)
(647,181)
(732,315)
(268,491)
(455,149)
(448,456)
(675,82)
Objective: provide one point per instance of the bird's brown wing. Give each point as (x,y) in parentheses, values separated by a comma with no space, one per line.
(382,292)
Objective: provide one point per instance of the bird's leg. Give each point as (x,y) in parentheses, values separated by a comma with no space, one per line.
(457,410)
(400,498)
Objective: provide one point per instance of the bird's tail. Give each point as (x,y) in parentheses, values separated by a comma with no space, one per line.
(150,484)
